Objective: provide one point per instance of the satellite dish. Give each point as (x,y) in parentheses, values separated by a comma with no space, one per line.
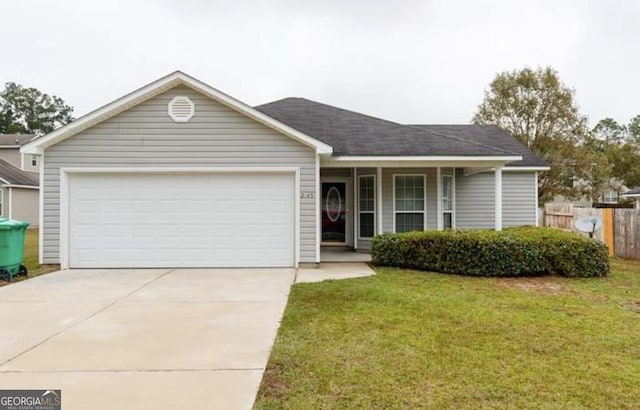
(588,224)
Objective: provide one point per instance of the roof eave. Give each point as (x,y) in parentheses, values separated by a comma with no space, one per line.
(419,160)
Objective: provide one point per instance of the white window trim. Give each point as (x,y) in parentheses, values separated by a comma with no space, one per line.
(393,187)
(2,202)
(34,160)
(375,207)
(605,199)
(453,199)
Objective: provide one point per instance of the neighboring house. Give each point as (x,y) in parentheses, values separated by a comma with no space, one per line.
(178,174)
(10,152)
(19,193)
(609,193)
(633,194)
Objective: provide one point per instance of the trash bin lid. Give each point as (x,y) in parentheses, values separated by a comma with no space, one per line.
(8,224)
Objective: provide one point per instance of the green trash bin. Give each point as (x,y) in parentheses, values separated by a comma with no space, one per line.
(12,248)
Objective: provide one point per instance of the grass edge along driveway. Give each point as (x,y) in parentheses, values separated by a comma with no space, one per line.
(406,339)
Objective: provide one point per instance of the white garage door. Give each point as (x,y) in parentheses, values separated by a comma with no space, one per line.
(181,220)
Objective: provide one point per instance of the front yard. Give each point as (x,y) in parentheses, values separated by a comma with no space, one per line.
(406,339)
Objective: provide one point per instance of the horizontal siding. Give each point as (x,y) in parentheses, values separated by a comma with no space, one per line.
(145,136)
(24,205)
(475,200)
(518,198)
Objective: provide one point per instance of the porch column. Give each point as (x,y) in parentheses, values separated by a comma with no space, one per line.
(379,199)
(498,198)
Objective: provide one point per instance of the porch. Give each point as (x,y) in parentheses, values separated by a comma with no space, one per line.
(342,254)
(358,203)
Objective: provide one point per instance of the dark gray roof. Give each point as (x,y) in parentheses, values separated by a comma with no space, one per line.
(16,176)
(634,191)
(15,139)
(351,133)
(491,135)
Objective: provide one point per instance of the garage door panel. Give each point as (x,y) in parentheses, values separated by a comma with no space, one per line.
(181,220)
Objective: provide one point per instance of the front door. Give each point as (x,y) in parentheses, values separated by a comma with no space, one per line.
(334,212)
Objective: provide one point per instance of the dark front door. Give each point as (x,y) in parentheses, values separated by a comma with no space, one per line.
(334,208)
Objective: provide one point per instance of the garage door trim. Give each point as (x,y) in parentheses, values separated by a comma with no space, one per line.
(65,173)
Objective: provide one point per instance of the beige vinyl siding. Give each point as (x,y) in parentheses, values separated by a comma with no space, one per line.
(387,195)
(25,205)
(145,136)
(475,200)
(518,198)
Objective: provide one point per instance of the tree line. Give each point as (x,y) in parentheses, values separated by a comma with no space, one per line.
(541,112)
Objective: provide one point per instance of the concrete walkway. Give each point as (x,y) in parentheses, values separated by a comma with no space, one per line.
(132,339)
(334,271)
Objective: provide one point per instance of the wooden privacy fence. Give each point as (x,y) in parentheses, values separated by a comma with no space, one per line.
(620,228)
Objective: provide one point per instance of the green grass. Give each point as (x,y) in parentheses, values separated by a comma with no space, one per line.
(405,339)
(31,252)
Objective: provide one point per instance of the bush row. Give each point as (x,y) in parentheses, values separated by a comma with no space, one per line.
(525,251)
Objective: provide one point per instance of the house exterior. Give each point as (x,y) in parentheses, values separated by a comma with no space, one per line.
(19,185)
(633,194)
(178,174)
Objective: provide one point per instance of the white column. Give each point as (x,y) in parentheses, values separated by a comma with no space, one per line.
(498,198)
(379,199)
(535,178)
(356,205)
(439,220)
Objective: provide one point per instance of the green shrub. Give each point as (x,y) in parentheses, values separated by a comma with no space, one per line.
(525,251)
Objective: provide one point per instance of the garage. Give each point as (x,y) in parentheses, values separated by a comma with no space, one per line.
(179,219)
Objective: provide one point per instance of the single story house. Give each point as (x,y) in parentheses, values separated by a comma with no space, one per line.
(19,185)
(179,174)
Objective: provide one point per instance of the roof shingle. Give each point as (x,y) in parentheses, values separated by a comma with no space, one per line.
(351,133)
(15,139)
(16,176)
(491,135)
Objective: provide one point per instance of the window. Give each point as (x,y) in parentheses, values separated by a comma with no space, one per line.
(409,202)
(367,206)
(611,197)
(447,198)
(34,161)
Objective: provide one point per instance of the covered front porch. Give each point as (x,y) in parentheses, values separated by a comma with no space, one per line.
(360,202)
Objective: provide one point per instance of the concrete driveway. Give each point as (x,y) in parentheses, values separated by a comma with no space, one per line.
(137,339)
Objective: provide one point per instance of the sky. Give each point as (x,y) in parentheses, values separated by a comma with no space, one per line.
(408,61)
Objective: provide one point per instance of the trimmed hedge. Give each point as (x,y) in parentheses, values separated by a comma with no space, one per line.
(525,251)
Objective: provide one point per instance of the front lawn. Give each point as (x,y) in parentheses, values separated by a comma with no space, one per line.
(405,339)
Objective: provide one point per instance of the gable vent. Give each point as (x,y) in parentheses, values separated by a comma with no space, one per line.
(181,109)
